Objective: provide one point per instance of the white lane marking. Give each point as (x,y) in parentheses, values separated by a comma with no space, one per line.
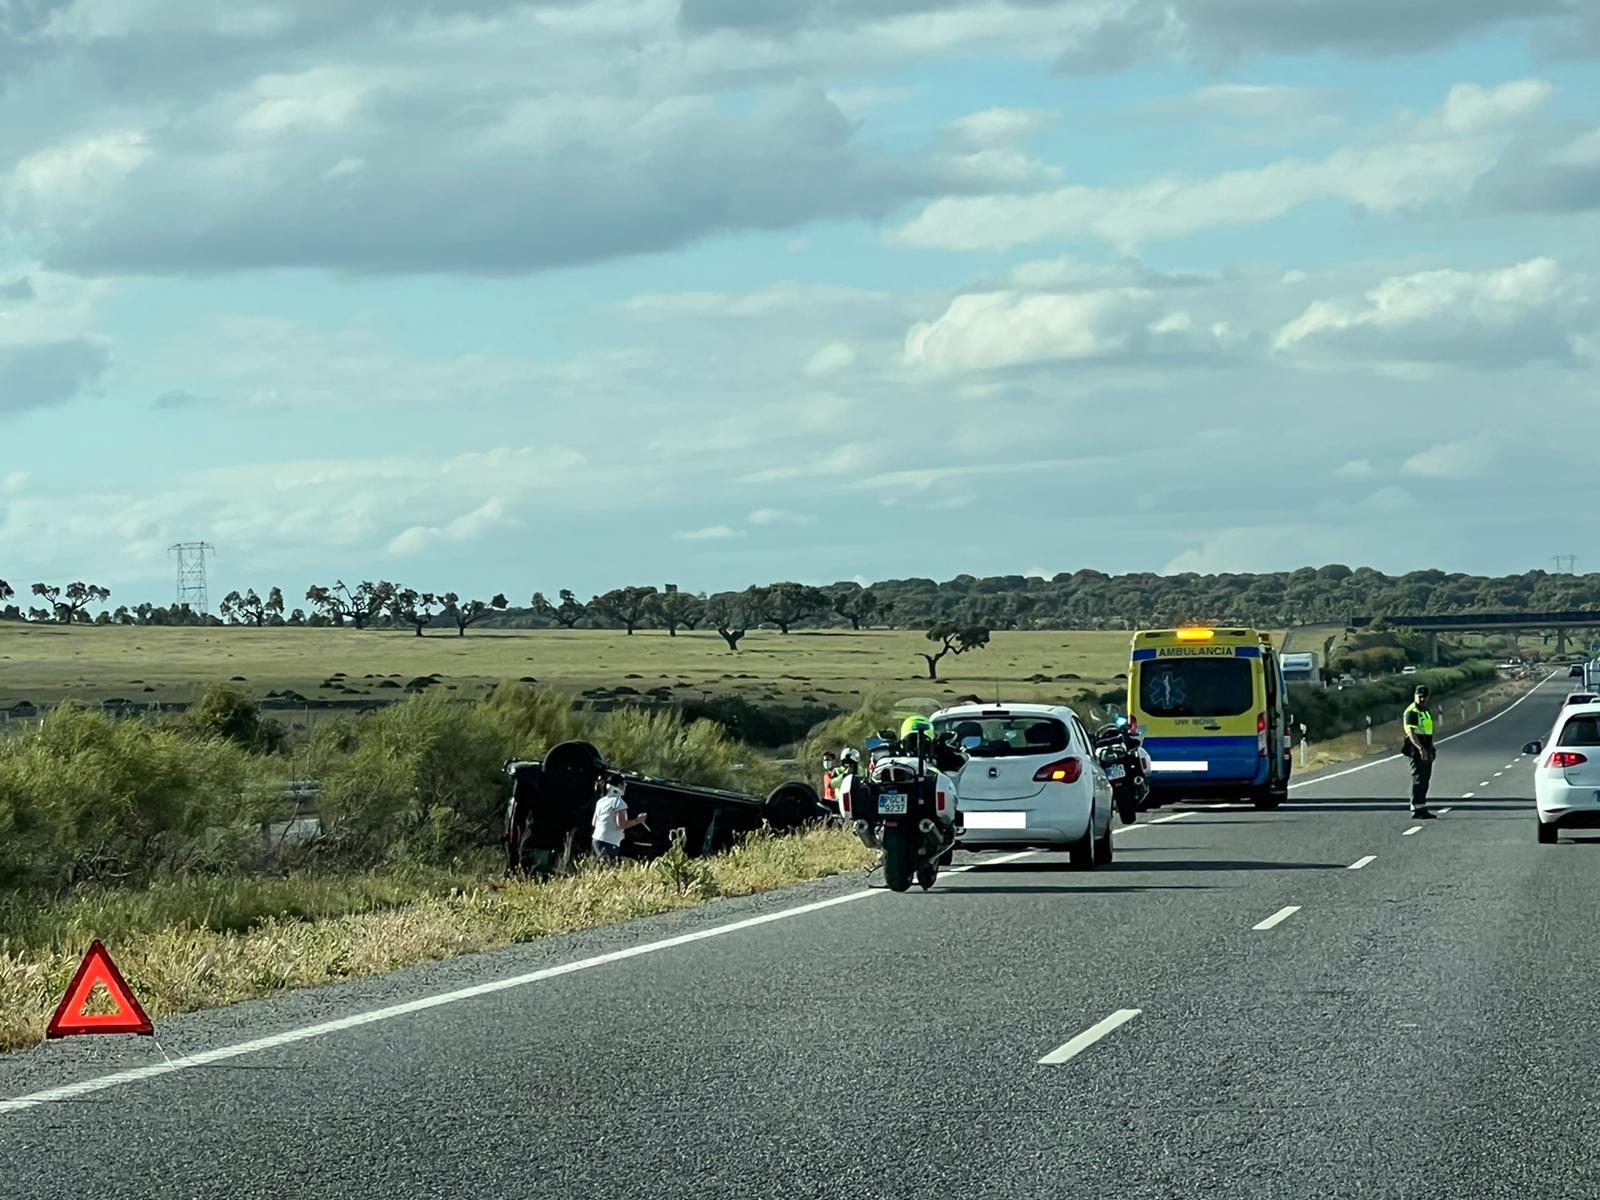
(1378,762)
(1483,783)
(72,1091)
(1163,820)
(1497,774)
(1089,1037)
(1468,795)
(1277,918)
(1413,829)
(1442,811)
(1361,862)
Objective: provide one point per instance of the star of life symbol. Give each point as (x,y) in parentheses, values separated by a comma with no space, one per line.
(1169,690)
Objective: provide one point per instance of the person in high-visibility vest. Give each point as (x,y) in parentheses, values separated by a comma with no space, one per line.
(1418,725)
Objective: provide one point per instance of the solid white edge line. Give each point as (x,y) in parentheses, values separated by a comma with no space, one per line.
(1088,1037)
(1378,762)
(203,1058)
(1413,829)
(1361,862)
(1277,918)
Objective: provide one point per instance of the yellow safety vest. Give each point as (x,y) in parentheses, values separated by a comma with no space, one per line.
(1416,718)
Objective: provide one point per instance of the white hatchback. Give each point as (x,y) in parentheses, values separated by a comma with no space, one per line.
(1031,780)
(1566,779)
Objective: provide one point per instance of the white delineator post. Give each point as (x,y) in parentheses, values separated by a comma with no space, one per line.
(1369,733)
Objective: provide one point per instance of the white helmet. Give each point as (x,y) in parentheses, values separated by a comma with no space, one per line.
(850,754)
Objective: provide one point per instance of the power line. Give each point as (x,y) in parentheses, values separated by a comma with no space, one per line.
(191,558)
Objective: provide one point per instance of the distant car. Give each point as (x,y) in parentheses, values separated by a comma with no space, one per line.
(1032,779)
(1566,780)
(1408,670)
(1576,671)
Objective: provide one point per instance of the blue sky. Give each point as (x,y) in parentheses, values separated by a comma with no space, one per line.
(488,295)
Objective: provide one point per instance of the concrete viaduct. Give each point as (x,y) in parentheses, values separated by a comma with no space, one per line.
(1559,623)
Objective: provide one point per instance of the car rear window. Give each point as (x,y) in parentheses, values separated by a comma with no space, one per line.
(1196,687)
(1581,730)
(1009,737)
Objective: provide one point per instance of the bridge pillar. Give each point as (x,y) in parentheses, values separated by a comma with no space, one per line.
(1561,641)
(1433,648)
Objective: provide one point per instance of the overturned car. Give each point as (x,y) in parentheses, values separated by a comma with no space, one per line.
(550,811)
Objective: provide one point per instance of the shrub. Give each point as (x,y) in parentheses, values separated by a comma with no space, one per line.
(88,798)
(1327,713)
(227,712)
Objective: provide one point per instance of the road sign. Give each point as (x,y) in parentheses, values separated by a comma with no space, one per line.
(97,968)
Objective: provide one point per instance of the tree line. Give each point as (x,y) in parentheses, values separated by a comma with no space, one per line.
(1086,599)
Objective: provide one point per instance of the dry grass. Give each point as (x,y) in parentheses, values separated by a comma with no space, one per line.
(45,663)
(258,937)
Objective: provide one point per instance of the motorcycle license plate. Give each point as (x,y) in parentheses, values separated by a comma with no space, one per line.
(892,802)
(1116,772)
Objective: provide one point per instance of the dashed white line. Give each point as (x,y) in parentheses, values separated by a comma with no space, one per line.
(1361,862)
(1484,783)
(1277,918)
(1413,829)
(1468,795)
(1442,811)
(1089,1037)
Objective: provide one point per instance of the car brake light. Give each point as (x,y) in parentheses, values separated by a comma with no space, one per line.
(1066,770)
(941,801)
(1566,758)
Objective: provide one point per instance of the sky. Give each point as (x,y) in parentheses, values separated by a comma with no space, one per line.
(503,296)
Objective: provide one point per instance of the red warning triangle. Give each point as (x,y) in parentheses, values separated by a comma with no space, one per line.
(97,968)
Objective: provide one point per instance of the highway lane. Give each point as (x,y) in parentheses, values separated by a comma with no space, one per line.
(889,1046)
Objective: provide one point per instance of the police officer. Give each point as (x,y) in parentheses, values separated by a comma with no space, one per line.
(1418,725)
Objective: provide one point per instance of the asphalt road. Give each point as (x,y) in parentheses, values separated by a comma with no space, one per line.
(1233,1004)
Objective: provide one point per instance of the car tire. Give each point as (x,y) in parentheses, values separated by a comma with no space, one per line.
(1549,832)
(1268,798)
(1081,853)
(1102,850)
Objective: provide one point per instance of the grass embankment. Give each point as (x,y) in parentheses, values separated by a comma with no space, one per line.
(188,944)
(1480,701)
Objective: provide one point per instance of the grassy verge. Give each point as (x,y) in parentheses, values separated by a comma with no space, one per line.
(1351,747)
(189,944)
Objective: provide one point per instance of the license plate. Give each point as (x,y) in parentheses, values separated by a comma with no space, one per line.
(892,802)
(1115,772)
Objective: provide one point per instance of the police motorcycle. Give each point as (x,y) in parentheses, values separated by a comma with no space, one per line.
(904,803)
(1121,753)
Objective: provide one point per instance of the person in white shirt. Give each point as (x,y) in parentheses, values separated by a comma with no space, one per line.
(611,819)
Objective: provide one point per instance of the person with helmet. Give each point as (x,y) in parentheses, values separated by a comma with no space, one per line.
(838,777)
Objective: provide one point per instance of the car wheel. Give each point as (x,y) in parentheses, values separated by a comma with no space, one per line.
(1081,853)
(1102,850)
(1267,799)
(1549,832)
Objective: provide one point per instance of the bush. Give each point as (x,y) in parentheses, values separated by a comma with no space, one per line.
(1327,713)
(226,712)
(663,744)
(768,726)
(423,780)
(88,798)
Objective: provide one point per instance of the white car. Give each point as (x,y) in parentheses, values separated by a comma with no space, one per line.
(1566,779)
(1032,780)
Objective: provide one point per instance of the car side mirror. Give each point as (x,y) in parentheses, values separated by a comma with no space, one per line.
(1533,748)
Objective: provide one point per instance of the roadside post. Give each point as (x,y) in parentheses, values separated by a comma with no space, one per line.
(1304,745)
(1369,733)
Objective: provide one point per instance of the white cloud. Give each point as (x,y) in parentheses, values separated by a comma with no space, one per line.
(1466,458)
(15,483)
(1356,468)
(995,330)
(779,516)
(992,125)
(830,360)
(1498,318)
(1430,162)
(710,533)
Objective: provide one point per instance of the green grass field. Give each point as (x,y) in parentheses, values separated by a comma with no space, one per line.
(46,664)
